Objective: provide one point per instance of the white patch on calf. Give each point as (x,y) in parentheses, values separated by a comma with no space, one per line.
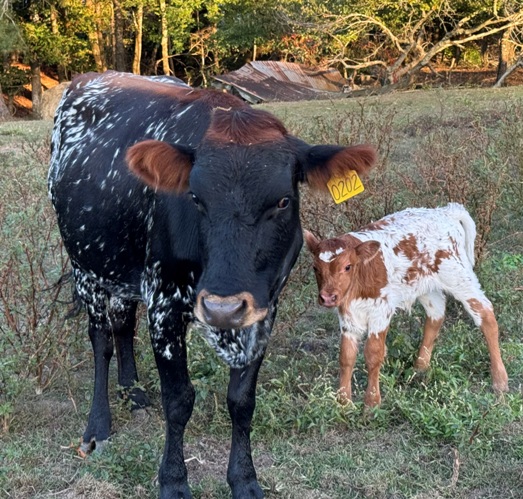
(328,256)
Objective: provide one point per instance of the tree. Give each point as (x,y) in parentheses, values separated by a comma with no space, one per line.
(402,37)
(10,41)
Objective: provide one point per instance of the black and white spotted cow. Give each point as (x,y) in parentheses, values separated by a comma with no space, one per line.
(186,200)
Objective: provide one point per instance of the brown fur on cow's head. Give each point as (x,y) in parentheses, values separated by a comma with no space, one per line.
(346,268)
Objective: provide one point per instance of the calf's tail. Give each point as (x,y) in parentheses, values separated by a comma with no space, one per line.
(461,215)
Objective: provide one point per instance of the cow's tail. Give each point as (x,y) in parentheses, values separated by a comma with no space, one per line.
(460,214)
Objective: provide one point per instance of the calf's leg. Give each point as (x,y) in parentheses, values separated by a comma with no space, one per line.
(434,305)
(467,290)
(374,356)
(348,354)
(241,401)
(481,311)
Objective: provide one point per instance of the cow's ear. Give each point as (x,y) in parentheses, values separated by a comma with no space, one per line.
(311,241)
(160,165)
(320,163)
(367,251)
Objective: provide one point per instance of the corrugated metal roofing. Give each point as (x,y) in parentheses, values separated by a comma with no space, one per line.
(260,81)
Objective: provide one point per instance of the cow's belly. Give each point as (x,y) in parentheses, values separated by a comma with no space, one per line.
(106,242)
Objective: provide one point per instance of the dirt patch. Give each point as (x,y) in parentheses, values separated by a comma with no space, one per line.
(208,459)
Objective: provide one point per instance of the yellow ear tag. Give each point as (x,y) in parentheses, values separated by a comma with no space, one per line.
(343,188)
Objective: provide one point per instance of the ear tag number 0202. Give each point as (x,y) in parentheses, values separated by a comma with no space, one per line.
(343,188)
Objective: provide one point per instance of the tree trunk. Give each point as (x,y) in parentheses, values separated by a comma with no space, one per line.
(4,111)
(165,38)
(36,89)
(506,53)
(95,36)
(119,47)
(61,70)
(138,24)
(501,80)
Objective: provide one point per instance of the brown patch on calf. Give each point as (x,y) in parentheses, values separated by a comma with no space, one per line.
(160,165)
(244,126)
(378,225)
(408,246)
(359,158)
(421,264)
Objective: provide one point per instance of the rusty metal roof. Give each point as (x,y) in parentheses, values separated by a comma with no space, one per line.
(262,81)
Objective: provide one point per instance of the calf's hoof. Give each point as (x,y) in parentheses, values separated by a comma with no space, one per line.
(500,386)
(343,397)
(421,365)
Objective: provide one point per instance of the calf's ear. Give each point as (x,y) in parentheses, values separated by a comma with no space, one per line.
(160,165)
(367,251)
(320,163)
(311,241)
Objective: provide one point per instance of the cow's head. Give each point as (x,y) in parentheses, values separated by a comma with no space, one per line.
(345,268)
(243,180)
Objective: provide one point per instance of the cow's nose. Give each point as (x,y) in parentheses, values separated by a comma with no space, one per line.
(328,299)
(224,313)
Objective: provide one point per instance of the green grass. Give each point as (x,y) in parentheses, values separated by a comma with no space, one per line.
(440,435)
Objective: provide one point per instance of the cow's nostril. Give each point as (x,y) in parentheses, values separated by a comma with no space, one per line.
(222,313)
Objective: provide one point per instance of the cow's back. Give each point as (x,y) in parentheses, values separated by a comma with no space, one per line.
(103,210)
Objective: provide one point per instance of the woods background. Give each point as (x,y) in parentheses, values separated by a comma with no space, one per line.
(384,42)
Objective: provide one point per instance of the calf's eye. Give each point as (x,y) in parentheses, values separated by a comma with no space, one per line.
(195,199)
(347,268)
(283,203)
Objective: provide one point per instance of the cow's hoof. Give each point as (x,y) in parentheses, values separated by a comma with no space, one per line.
(140,414)
(93,445)
(176,492)
(249,490)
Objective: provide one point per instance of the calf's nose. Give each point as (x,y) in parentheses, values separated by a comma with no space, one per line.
(328,299)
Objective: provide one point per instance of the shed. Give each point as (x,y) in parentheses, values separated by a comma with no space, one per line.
(265,81)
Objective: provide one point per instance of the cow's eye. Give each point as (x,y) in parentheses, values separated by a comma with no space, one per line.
(283,203)
(195,199)
(347,268)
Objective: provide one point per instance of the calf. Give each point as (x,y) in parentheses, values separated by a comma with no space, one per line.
(416,254)
(187,200)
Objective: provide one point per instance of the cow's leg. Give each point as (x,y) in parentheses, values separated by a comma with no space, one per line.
(434,305)
(241,400)
(482,312)
(348,354)
(374,356)
(122,314)
(167,326)
(95,298)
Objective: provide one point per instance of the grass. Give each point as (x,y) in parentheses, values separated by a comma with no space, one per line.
(441,435)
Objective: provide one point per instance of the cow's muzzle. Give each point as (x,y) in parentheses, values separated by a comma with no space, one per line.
(228,312)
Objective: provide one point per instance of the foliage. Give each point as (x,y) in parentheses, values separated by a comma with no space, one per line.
(389,40)
(12,79)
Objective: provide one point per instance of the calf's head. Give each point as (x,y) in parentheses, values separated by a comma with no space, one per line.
(243,182)
(346,268)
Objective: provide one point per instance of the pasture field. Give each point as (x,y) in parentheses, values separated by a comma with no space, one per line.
(440,435)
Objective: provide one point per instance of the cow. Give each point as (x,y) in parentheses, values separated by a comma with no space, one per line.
(187,200)
(417,254)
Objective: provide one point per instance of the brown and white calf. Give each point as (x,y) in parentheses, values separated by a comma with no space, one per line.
(416,254)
